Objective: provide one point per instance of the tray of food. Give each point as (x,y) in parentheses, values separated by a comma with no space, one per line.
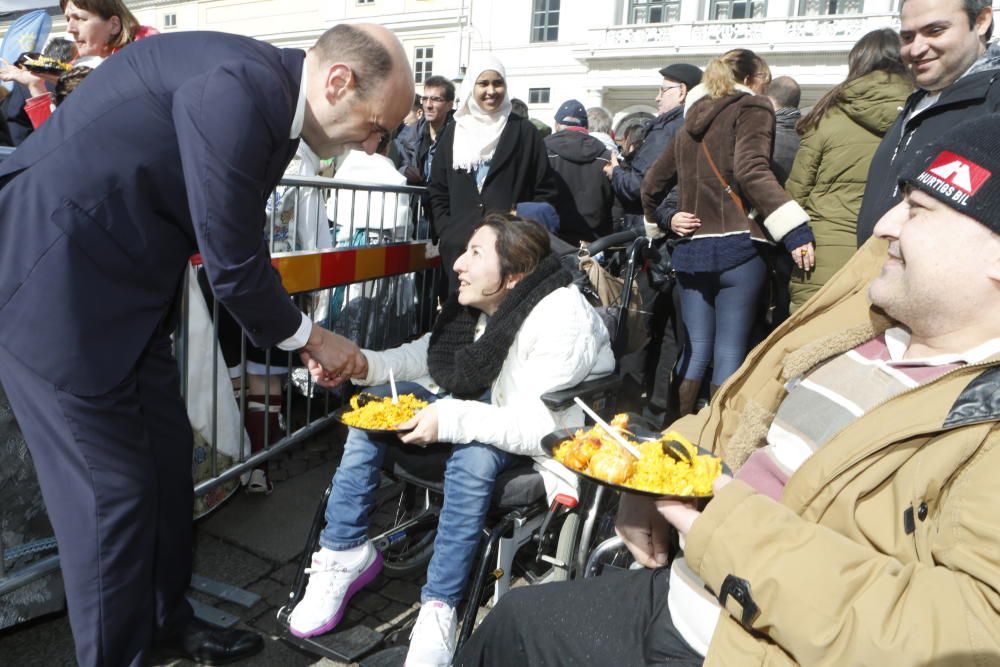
(669,466)
(377,414)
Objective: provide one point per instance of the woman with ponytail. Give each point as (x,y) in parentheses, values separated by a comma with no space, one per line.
(730,206)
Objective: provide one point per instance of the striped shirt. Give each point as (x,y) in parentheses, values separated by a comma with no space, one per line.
(819,405)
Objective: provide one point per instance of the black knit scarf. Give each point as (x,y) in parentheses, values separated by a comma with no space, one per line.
(466,367)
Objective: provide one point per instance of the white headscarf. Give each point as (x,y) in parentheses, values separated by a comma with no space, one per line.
(477,132)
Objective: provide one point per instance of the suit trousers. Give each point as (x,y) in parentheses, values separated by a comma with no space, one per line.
(115,474)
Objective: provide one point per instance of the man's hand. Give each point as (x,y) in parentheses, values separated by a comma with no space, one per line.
(610,166)
(643,529)
(682,516)
(684,224)
(332,359)
(413,175)
(424,425)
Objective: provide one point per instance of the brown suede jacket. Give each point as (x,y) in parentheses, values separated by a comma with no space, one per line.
(738,131)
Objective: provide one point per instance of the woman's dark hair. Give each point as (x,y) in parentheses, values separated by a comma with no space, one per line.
(733,67)
(877,51)
(68,82)
(521,244)
(106,9)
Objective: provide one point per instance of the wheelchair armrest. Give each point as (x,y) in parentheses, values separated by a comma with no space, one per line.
(590,391)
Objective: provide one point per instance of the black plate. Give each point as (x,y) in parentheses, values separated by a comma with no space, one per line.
(552,440)
(338,414)
(38,69)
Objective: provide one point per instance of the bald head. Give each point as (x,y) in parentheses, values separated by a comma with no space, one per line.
(373,52)
(359,87)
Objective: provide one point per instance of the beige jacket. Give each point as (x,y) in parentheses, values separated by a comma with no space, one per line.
(885,548)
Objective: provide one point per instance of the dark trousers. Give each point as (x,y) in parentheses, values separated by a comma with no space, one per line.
(115,473)
(616,620)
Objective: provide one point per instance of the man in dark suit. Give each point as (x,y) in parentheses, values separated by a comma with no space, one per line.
(170,148)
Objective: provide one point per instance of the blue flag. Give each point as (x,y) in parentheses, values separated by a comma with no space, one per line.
(28,33)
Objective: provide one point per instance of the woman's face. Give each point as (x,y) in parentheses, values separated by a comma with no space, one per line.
(91,32)
(478,270)
(490,90)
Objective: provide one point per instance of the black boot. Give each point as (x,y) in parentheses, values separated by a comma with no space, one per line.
(687,396)
(209,645)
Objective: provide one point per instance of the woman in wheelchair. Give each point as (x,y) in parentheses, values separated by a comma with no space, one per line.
(516,329)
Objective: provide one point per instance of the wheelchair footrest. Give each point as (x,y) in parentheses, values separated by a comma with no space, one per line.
(345,645)
(390,657)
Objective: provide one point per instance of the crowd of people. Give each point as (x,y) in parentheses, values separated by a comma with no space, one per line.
(830,295)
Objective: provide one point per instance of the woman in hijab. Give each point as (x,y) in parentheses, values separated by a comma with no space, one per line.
(489,160)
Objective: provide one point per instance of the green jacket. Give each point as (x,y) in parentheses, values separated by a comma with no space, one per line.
(885,547)
(831,168)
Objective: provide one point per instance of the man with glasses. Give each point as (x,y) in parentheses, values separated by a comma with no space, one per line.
(651,368)
(417,143)
(170,149)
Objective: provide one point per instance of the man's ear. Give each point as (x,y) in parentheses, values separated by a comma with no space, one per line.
(993,270)
(684,92)
(339,81)
(984,20)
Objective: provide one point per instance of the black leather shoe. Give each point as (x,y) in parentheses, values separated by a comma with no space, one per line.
(210,645)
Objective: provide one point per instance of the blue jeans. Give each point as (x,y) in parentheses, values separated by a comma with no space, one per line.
(718,310)
(469,476)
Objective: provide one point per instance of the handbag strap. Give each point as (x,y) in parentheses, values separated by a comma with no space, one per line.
(725,186)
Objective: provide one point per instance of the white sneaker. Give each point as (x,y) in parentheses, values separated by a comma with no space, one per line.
(432,642)
(330,588)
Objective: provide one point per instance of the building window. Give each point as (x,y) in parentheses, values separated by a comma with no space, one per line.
(423,63)
(538,95)
(654,11)
(724,10)
(828,7)
(366,2)
(170,20)
(545,21)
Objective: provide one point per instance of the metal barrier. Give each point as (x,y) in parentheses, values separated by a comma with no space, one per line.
(376,286)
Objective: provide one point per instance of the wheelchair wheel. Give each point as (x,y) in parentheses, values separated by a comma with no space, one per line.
(566,547)
(403,526)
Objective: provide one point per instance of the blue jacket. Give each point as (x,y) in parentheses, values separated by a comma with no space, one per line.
(169,148)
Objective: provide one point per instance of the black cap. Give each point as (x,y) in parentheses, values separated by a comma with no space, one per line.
(572,113)
(689,75)
(961,169)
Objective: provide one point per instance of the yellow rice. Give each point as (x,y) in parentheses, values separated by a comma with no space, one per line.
(383,415)
(655,471)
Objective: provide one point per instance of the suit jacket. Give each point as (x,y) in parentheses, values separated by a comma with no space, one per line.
(519,172)
(167,149)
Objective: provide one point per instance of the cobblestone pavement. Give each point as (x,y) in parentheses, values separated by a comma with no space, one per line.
(255,543)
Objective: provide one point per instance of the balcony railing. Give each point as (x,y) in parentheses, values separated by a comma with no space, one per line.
(813,33)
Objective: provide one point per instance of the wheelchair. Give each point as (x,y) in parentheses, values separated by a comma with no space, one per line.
(522,535)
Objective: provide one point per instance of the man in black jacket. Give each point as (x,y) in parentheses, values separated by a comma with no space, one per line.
(653,366)
(578,160)
(945,45)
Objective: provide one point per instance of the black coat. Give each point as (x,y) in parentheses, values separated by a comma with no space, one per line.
(970,97)
(626,180)
(585,196)
(519,172)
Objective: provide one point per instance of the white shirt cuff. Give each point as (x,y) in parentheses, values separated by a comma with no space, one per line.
(299,339)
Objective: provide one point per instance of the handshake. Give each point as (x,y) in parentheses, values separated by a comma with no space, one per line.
(332,359)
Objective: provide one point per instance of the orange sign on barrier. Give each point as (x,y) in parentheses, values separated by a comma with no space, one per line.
(321,269)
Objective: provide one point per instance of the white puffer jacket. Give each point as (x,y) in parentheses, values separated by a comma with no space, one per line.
(561,343)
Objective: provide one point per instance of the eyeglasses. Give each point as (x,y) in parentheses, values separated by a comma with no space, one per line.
(664,89)
(432,98)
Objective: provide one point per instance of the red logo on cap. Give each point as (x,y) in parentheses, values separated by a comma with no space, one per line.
(960,172)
